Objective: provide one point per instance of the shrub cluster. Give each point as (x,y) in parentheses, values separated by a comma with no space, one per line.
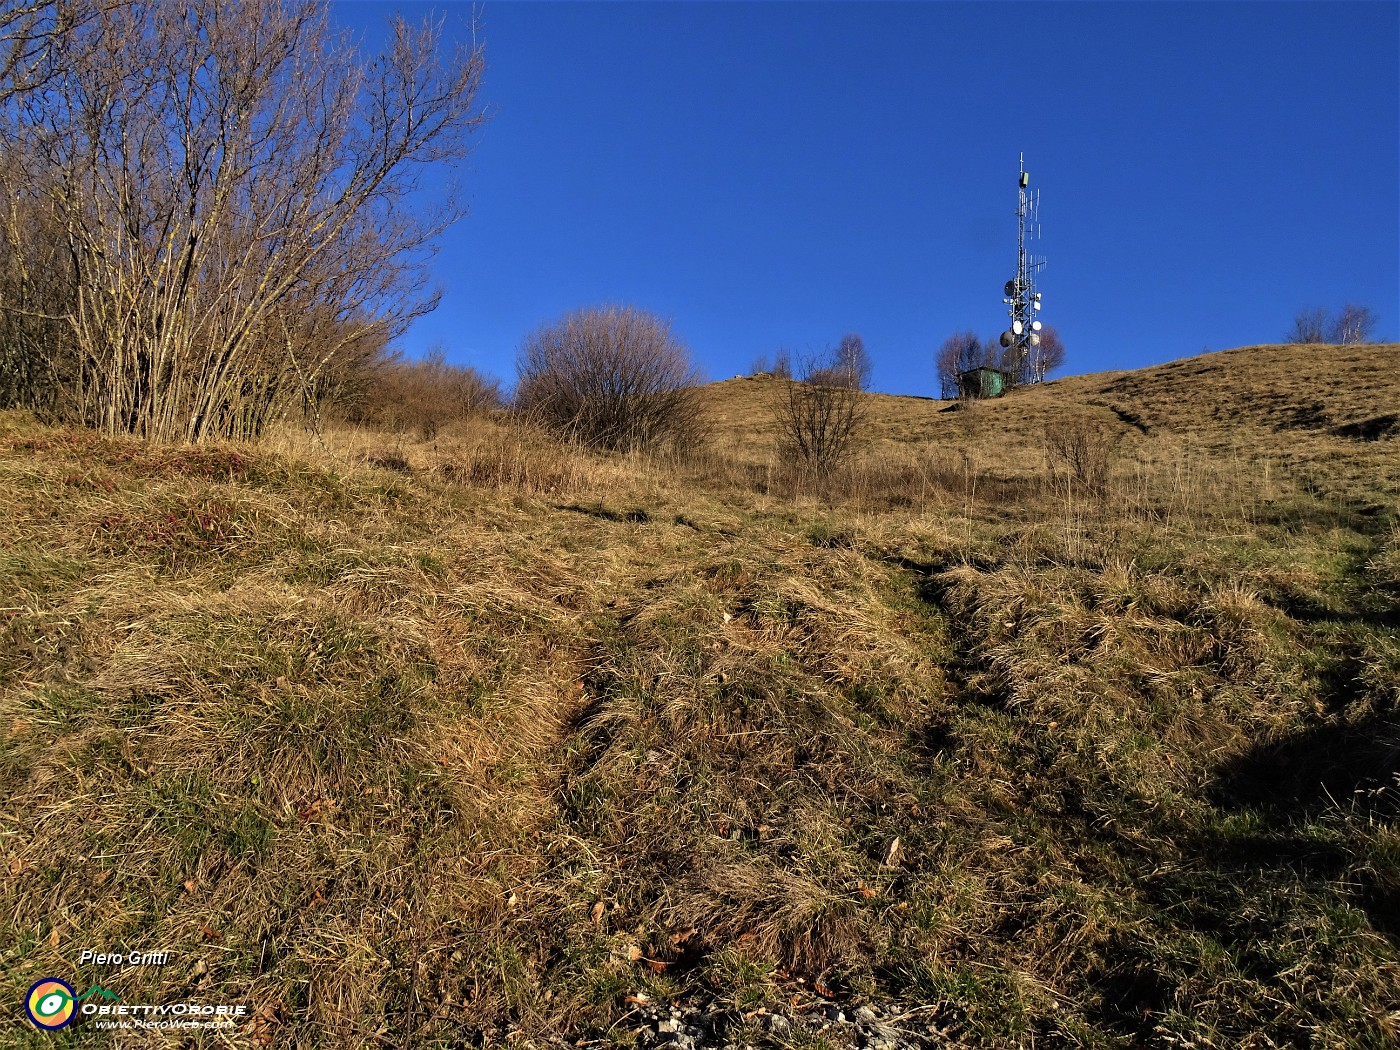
(1081,451)
(423,396)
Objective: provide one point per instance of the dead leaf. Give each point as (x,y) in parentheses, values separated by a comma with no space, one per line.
(209,933)
(866,891)
(640,999)
(512,900)
(597,913)
(655,965)
(823,990)
(17,865)
(54,937)
(677,939)
(191,885)
(633,953)
(893,852)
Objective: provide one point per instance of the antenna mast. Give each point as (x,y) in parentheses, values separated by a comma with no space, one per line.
(1023,337)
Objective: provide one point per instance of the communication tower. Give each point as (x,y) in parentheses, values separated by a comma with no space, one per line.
(1023,337)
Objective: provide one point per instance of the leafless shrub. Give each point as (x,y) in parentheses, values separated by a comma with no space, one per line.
(424,396)
(1353,324)
(1309,326)
(612,378)
(819,424)
(36,287)
(781,368)
(234,208)
(1081,452)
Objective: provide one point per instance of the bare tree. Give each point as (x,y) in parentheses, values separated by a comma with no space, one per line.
(1309,326)
(819,424)
(1047,355)
(960,352)
(1353,325)
(232,183)
(782,363)
(29,31)
(612,377)
(851,365)
(781,368)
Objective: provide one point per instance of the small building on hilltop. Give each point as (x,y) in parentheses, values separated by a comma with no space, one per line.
(983,381)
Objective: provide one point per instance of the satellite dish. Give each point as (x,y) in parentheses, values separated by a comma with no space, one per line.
(1017,328)
(1036,304)
(1006,339)
(1010,287)
(1033,339)
(1035,326)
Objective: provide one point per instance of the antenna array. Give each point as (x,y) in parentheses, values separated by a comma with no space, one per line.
(1023,337)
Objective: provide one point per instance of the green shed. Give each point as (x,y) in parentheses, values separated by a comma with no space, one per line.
(983,382)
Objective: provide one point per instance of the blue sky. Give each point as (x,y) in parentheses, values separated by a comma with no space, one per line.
(778,174)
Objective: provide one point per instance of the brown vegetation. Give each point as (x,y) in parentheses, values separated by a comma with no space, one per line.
(613,378)
(820,415)
(230,187)
(537,732)
(421,397)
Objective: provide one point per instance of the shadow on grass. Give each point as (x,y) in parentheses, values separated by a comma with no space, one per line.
(1349,765)
(1346,770)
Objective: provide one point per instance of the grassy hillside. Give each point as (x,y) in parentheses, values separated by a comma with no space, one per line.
(485,741)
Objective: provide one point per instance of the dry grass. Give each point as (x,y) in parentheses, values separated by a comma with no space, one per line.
(472,745)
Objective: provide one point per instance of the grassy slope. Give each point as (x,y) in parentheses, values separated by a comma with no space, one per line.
(495,743)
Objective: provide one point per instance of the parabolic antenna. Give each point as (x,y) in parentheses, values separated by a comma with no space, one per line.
(1033,339)
(1017,328)
(1035,326)
(1006,338)
(1010,287)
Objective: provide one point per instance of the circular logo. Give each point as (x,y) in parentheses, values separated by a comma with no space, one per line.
(50,1004)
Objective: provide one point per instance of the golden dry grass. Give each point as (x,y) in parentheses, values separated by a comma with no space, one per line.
(468,741)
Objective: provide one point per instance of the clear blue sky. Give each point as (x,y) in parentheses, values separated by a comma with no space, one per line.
(778,174)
